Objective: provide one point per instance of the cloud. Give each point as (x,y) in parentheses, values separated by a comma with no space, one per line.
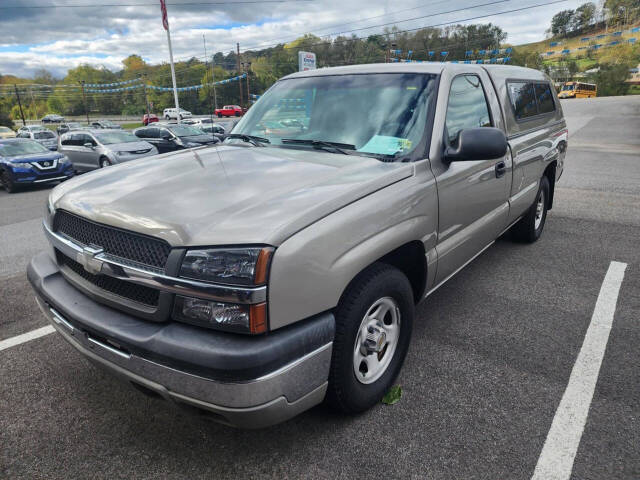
(62,38)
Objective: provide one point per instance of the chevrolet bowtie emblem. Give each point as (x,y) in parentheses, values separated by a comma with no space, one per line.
(89,261)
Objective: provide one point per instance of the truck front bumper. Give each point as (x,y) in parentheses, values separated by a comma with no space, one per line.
(244,381)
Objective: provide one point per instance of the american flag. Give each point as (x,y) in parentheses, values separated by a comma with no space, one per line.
(165,21)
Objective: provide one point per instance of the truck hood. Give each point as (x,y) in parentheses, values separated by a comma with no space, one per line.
(227,194)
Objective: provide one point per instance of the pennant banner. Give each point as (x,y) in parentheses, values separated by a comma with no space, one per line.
(167,89)
(597,46)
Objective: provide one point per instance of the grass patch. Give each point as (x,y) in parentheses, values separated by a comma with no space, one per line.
(131,126)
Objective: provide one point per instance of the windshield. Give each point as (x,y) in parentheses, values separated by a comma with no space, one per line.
(108,138)
(184,130)
(5,129)
(377,114)
(568,87)
(41,135)
(16,149)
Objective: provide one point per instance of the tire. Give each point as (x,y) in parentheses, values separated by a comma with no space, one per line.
(352,392)
(237,114)
(105,162)
(166,117)
(7,183)
(219,115)
(530,227)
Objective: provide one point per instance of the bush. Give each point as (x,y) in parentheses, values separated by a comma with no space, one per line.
(5,120)
(610,79)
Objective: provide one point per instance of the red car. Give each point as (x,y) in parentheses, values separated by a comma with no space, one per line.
(229,111)
(147,119)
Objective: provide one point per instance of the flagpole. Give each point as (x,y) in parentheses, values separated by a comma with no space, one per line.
(173,70)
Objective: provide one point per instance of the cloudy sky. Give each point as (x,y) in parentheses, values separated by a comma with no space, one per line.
(105,32)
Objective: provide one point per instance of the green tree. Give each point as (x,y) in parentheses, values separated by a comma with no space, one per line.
(584,15)
(561,22)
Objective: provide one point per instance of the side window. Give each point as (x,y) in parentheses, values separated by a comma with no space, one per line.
(65,140)
(544,98)
(153,132)
(523,99)
(142,133)
(467,106)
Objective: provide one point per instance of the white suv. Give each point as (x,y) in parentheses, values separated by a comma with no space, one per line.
(170,113)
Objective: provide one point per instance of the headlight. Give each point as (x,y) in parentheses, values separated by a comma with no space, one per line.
(20,165)
(234,266)
(64,160)
(229,317)
(122,154)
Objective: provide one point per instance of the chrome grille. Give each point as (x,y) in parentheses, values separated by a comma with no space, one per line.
(137,293)
(119,243)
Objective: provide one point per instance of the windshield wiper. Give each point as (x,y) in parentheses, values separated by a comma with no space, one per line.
(252,139)
(321,144)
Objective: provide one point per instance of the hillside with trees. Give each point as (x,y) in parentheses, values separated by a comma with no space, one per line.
(608,67)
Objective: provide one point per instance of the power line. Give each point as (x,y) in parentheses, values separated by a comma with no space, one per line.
(494,2)
(186,4)
(477,17)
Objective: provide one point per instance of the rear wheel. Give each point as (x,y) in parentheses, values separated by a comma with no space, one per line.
(530,227)
(166,117)
(7,182)
(237,114)
(373,327)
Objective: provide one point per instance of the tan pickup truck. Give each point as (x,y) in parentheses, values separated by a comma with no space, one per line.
(256,278)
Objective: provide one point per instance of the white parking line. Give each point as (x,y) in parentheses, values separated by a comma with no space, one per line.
(25,337)
(561,445)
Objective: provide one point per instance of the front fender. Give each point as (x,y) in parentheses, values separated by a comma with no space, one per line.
(311,269)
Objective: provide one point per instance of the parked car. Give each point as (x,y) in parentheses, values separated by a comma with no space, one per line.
(52,118)
(33,128)
(172,113)
(45,137)
(65,127)
(259,278)
(26,162)
(91,149)
(229,111)
(6,132)
(150,118)
(105,124)
(213,128)
(170,137)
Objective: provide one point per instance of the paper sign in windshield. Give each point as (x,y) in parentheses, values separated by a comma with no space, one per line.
(385,145)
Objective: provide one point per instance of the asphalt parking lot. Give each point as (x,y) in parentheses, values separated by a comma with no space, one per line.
(492,355)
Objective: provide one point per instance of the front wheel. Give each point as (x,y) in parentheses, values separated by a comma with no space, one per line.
(530,227)
(105,162)
(373,327)
(7,182)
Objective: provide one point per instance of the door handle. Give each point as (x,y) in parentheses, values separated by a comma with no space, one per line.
(501,169)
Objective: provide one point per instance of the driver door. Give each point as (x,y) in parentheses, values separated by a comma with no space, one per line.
(472,195)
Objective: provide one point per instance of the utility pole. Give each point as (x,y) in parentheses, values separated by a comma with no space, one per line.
(84,100)
(20,105)
(146,99)
(204,41)
(238,70)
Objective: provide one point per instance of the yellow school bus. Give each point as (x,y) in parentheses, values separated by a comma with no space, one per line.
(578,90)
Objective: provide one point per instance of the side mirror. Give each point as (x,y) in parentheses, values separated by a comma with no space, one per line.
(89,145)
(483,143)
